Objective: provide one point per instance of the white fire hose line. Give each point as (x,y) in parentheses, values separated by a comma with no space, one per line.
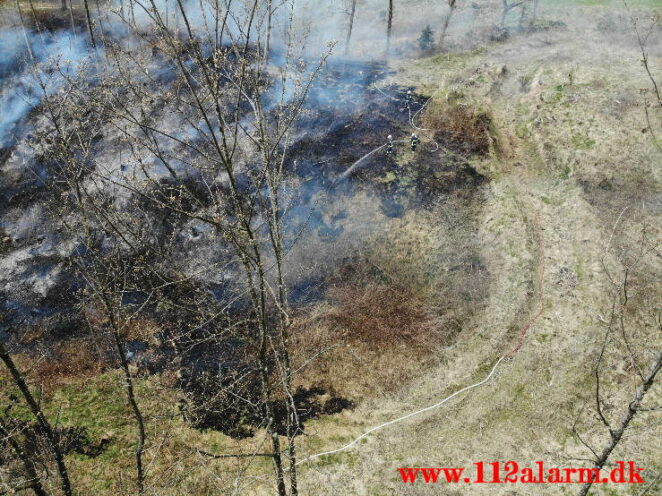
(415,114)
(405,417)
(412,123)
(411,117)
(353,443)
(356,164)
(389,96)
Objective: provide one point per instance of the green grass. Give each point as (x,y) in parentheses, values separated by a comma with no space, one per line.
(97,405)
(449,61)
(582,142)
(347,458)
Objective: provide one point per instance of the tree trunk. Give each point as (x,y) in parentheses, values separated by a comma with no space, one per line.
(534,13)
(131,398)
(447,20)
(507,7)
(34,16)
(633,407)
(389,27)
(522,17)
(71,16)
(42,422)
(350,27)
(89,22)
(34,481)
(263,363)
(267,44)
(25,31)
(284,327)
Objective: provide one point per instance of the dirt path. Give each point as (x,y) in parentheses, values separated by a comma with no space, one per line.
(544,243)
(509,355)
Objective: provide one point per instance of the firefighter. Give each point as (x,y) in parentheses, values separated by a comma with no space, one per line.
(414,142)
(410,99)
(389,145)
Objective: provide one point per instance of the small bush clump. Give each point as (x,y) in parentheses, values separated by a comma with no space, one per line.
(467,126)
(426,40)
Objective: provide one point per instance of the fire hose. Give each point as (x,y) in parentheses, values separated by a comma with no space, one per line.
(412,123)
(520,340)
(506,356)
(356,164)
(404,417)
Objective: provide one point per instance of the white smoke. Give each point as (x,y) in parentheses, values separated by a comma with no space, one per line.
(24,79)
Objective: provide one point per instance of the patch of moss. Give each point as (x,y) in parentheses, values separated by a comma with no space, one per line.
(389,177)
(346,458)
(523,130)
(582,142)
(565,172)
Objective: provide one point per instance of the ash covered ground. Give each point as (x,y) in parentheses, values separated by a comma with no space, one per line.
(347,115)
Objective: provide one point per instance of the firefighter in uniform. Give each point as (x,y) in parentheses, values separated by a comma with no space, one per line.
(414,142)
(389,145)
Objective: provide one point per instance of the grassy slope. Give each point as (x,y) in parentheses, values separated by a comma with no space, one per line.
(576,122)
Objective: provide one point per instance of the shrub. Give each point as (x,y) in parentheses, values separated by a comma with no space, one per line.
(462,123)
(426,40)
(373,309)
(72,360)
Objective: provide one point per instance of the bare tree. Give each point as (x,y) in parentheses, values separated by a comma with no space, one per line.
(643,34)
(108,279)
(90,25)
(616,432)
(32,480)
(231,175)
(389,27)
(452,5)
(534,13)
(28,44)
(621,307)
(42,422)
(350,25)
(507,6)
(108,275)
(646,379)
(630,311)
(529,11)
(267,44)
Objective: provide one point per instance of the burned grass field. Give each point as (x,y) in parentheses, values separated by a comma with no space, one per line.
(223,262)
(164,282)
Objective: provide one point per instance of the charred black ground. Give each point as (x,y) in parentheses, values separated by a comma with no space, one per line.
(345,118)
